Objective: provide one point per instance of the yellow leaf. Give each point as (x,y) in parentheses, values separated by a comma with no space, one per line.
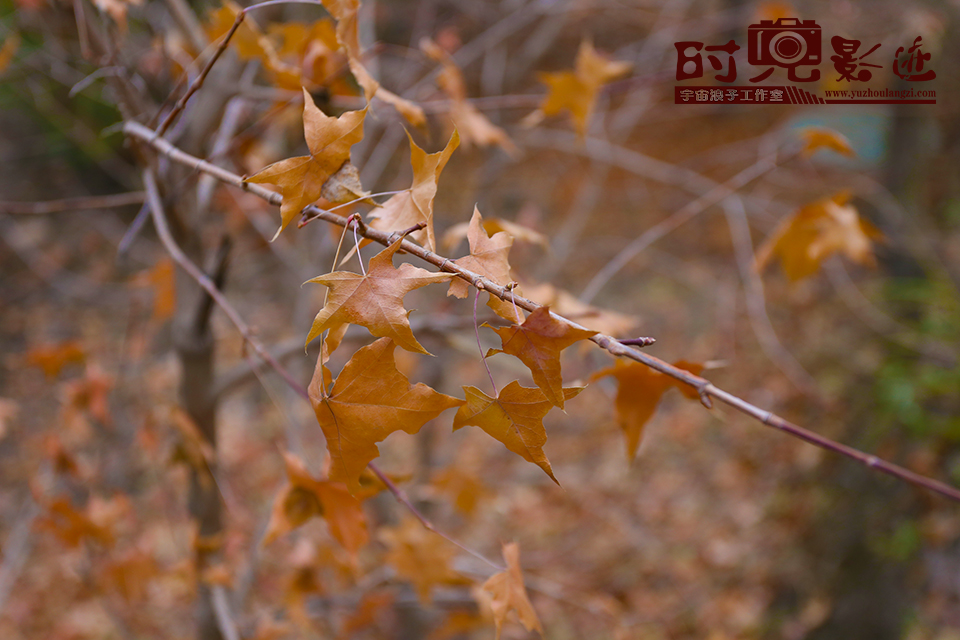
(419,557)
(576,91)
(815,138)
(488,257)
(814,233)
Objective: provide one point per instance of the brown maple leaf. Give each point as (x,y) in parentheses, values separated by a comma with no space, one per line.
(416,556)
(520,233)
(576,91)
(815,138)
(370,399)
(301,179)
(304,497)
(814,233)
(415,205)
(638,393)
(507,592)
(488,257)
(374,300)
(538,343)
(515,418)
(566,304)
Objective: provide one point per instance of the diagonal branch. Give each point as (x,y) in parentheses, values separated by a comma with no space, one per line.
(608,343)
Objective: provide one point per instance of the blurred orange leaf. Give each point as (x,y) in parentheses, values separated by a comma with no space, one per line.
(815,138)
(418,556)
(814,233)
(52,358)
(508,593)
(638,393)
(373,300)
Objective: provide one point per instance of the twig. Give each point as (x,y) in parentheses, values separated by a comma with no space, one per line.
(221,608)
(83,203)
(608,343)
(163,230)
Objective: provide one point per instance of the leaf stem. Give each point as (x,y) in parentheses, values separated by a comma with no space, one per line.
(483,357)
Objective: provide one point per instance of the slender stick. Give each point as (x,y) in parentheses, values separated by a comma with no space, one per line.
(483,358)
(608,343)
(84,203)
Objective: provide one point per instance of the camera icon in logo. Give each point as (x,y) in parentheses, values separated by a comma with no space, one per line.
(786,42)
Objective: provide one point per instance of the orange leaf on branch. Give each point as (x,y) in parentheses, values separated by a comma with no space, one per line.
(515,418)
(638,393)
(370,399)
(415,205)
(488,257)
(301,180)
(538,343)
(373,300)
(418,557)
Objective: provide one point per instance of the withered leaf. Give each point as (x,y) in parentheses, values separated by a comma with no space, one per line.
(814,233)
(815,138)
(370,399)
(576,91)
(415,205)
(508,592)
(519,232)
(304,497)
(418,557)
(374,300)
(474,127)
(301,179)
(538,343)
(567,305)
(515,418)
(638,393)
(52,358)
(488,257)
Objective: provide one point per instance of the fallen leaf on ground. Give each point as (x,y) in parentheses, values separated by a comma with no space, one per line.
(515,418)
(370,399)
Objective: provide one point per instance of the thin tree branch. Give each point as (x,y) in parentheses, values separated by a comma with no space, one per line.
(83,203)
(608,343)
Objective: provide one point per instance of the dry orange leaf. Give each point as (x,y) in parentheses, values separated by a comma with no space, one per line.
(415,205)
(304,497)
(374,300)
(419,558)
(161,278)
(370,399)
(488,256)
(474,127)
(538,343)
(52,358)
(576,91)
(638,393)
(247,39)
(72,526)
(301,179)
(345,12)
(515,418)
(508,593)
(814,233)
(815,138)
(9,50)
(466,489)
